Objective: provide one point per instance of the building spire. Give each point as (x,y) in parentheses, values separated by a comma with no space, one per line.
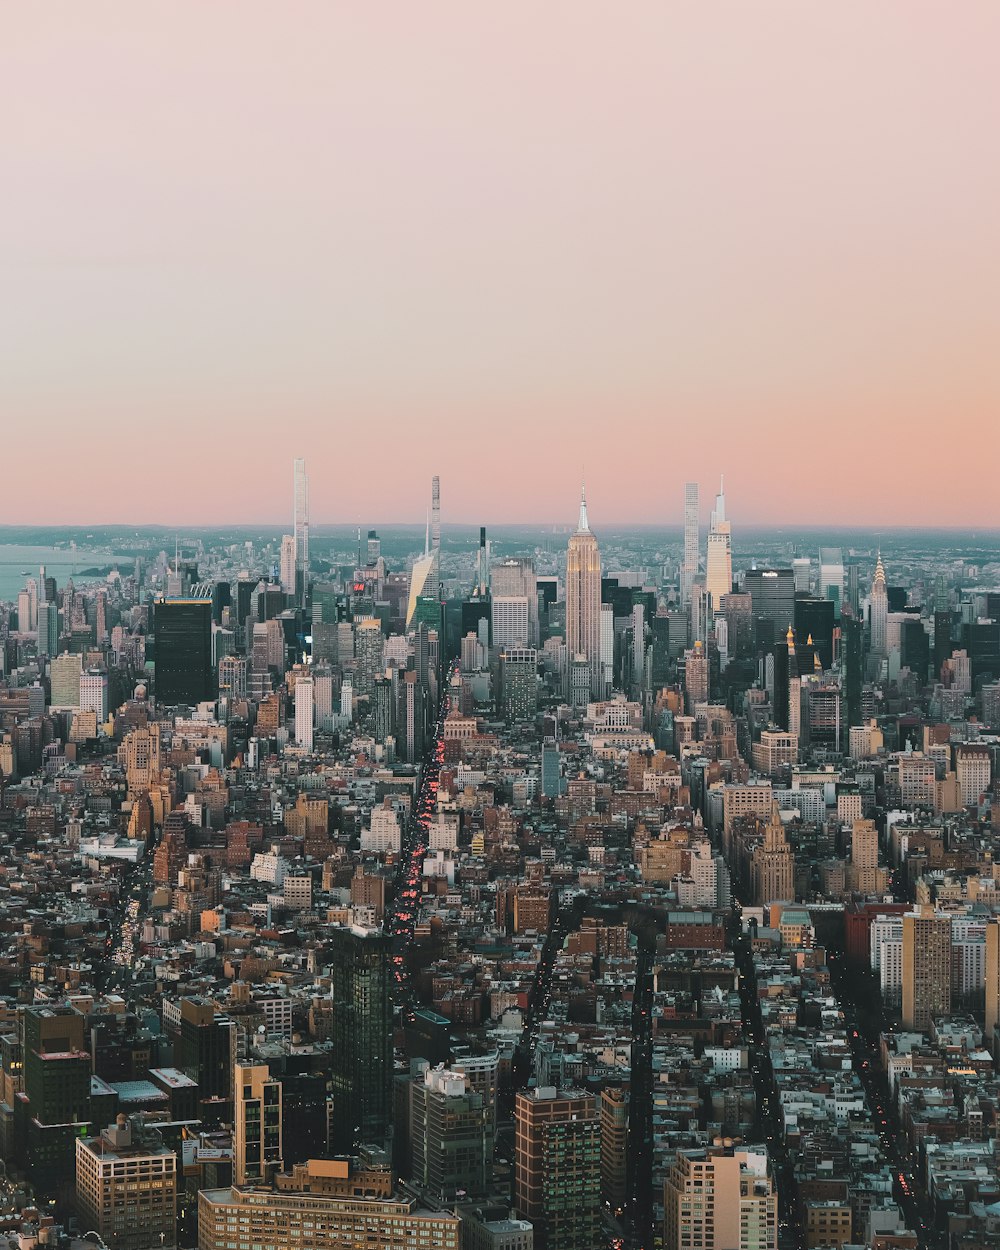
(583,527)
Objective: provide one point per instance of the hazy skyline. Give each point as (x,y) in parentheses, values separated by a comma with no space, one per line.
(645,244)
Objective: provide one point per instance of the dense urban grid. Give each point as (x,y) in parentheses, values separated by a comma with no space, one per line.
(564,893)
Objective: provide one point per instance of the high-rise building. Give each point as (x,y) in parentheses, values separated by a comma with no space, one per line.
(205,1050)
(369,648)
(126,1187)
(182,629)
(510,620)
(65,672)
(695,677)
(257,1154)
(973,765)
(518,681)
(614,1139)
(48,628)
(992,977)
(772,598)
(583,599)
(926,967)
(557,1166)
(94,693)
(55,1104)
(689,567)
(831,576)
(304,712)
(451,1140)
(772,865)
(287,569)
(361,1074)
(719,559)
(722,1197)
(515,579)
(300,526)
(878,610)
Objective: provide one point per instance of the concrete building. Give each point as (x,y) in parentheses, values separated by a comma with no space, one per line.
(126,1188)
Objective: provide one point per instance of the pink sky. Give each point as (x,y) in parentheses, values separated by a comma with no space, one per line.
(507,243)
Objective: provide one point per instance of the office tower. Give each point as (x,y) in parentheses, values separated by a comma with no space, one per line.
(992,977)
(101,617)
(772,865)
(369,647)
(695,677)
(483,565)
(607,633)
(126,1187)
(831,576)
(326,1204)
(972,767)
(300,522)
(361,1073)
(557,1166)
(639,648)
(233,677)
(140,756)
(614,1138)
(518,682)
(205,1051)
(509,621)
(689,568)
(772,597)
(287,569)
(878,610)
(383,704)
(513,580)
(720,1196)
(257,1154)
(814,620)
(304,712)
(423,596)
(583,599)
(435,514)
(926,967)
(553,783)
(451,1138)
(48,628)
(94,693)
(374,547)
(802,574)
(65,672)
(182,630)
(719,560)
(55,1105)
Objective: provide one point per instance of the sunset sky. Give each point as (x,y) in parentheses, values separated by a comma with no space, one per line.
(512,244)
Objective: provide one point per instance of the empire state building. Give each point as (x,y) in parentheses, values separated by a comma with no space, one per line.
(583,598)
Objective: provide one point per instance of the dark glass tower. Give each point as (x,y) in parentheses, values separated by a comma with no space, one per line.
(182,629)
(361,1074)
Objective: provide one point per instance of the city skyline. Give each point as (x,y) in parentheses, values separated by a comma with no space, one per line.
(699,242)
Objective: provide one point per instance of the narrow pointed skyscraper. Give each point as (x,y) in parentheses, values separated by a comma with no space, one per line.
(719,561)
(583,598)
(300,529)
(878,611)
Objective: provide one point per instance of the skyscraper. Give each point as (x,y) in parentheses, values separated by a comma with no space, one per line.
(878,610)
(772,865)
(690,566)
(257,1154)
(301,524)
(182,629)
(304,712)
(287,569)
(451,1136)
(926,967)
(557,1166)
(361,1074)
(719,561)
(583,598)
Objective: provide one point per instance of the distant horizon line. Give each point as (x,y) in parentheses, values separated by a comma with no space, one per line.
(554,526)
